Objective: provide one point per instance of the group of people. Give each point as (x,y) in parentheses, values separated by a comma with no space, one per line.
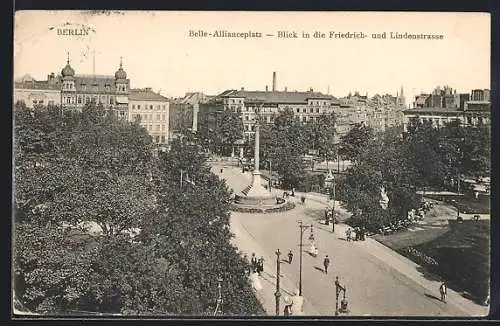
(257,264)
(359,234)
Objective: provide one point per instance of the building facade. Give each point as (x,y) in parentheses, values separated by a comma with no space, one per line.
(468,112)
(107,90)
(33,93)
(305,106)
(74,91)
(378,112)
(152,110)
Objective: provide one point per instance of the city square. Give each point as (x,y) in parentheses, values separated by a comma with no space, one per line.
(273,186)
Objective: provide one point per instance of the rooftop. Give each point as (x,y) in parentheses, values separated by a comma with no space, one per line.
(34,84)
(434,110)
(145,95)
(276,96)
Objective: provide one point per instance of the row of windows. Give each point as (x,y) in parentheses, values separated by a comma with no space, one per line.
(156,107)
(158,138)
(304,110)
(235,101)
(317,102)
(157,127)
(87,99)
(42,102)
(146,117)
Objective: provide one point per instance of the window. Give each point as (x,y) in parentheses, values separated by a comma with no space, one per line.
(138,106)
(304,119)
(40,102)
(151,107)
(111,100)
(232,101)
(253,128)
(247,127)
(151,117)
(162,139)
(157,139)
(158,117)
(311,110)
(84,87)
(144,117)
(133,106)
(87,100)
(51,102)
(317,110)
(68,100)
(298,110)
(304,110)
(246,117)
(162,127)
(163,106)
(79,100)
(163,117)
(150,127)
(158,107)
(157,127)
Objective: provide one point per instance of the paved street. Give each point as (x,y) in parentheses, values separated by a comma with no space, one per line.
(379,282)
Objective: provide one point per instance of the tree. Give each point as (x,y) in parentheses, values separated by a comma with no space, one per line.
(355,141)
(221,129)
(383,163)
(284,144)
(320,135)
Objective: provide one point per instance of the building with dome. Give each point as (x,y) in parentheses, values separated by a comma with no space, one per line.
(108,90)
(74,91)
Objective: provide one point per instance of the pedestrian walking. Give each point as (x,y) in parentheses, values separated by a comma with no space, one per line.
(260,265)
(443,290)
(303,199)
(253,262)
(290,256)
(348,234)
(326,263)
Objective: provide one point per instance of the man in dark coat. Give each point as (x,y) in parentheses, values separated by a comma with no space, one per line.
(326,263)
(290,256)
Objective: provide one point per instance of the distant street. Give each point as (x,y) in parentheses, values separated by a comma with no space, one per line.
(374,286)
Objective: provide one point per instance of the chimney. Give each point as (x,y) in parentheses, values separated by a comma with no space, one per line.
(267,88)
(285,89)
(274,81)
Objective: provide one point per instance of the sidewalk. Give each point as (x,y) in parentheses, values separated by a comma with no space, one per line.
(267,287)
(401,264)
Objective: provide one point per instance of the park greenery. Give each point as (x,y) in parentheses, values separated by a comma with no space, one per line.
(220,130)
(424,157)
(284,143)
(164,240)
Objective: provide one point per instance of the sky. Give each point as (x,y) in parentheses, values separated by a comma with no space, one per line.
(158,51)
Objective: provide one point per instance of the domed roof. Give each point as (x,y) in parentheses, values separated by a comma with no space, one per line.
(120,73)
(67,71)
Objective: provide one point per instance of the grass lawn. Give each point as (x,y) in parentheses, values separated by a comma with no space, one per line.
(465,203)
(462,252)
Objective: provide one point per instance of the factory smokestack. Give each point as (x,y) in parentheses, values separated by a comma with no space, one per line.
(274,81)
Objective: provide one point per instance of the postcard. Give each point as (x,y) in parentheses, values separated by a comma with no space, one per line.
(251,164)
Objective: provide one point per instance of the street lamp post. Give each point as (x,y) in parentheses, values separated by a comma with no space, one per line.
(218,308)
(333,207)
(338,288)
(301,227)
(278,293)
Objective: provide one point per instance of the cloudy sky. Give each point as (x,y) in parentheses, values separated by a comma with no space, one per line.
(158,52)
